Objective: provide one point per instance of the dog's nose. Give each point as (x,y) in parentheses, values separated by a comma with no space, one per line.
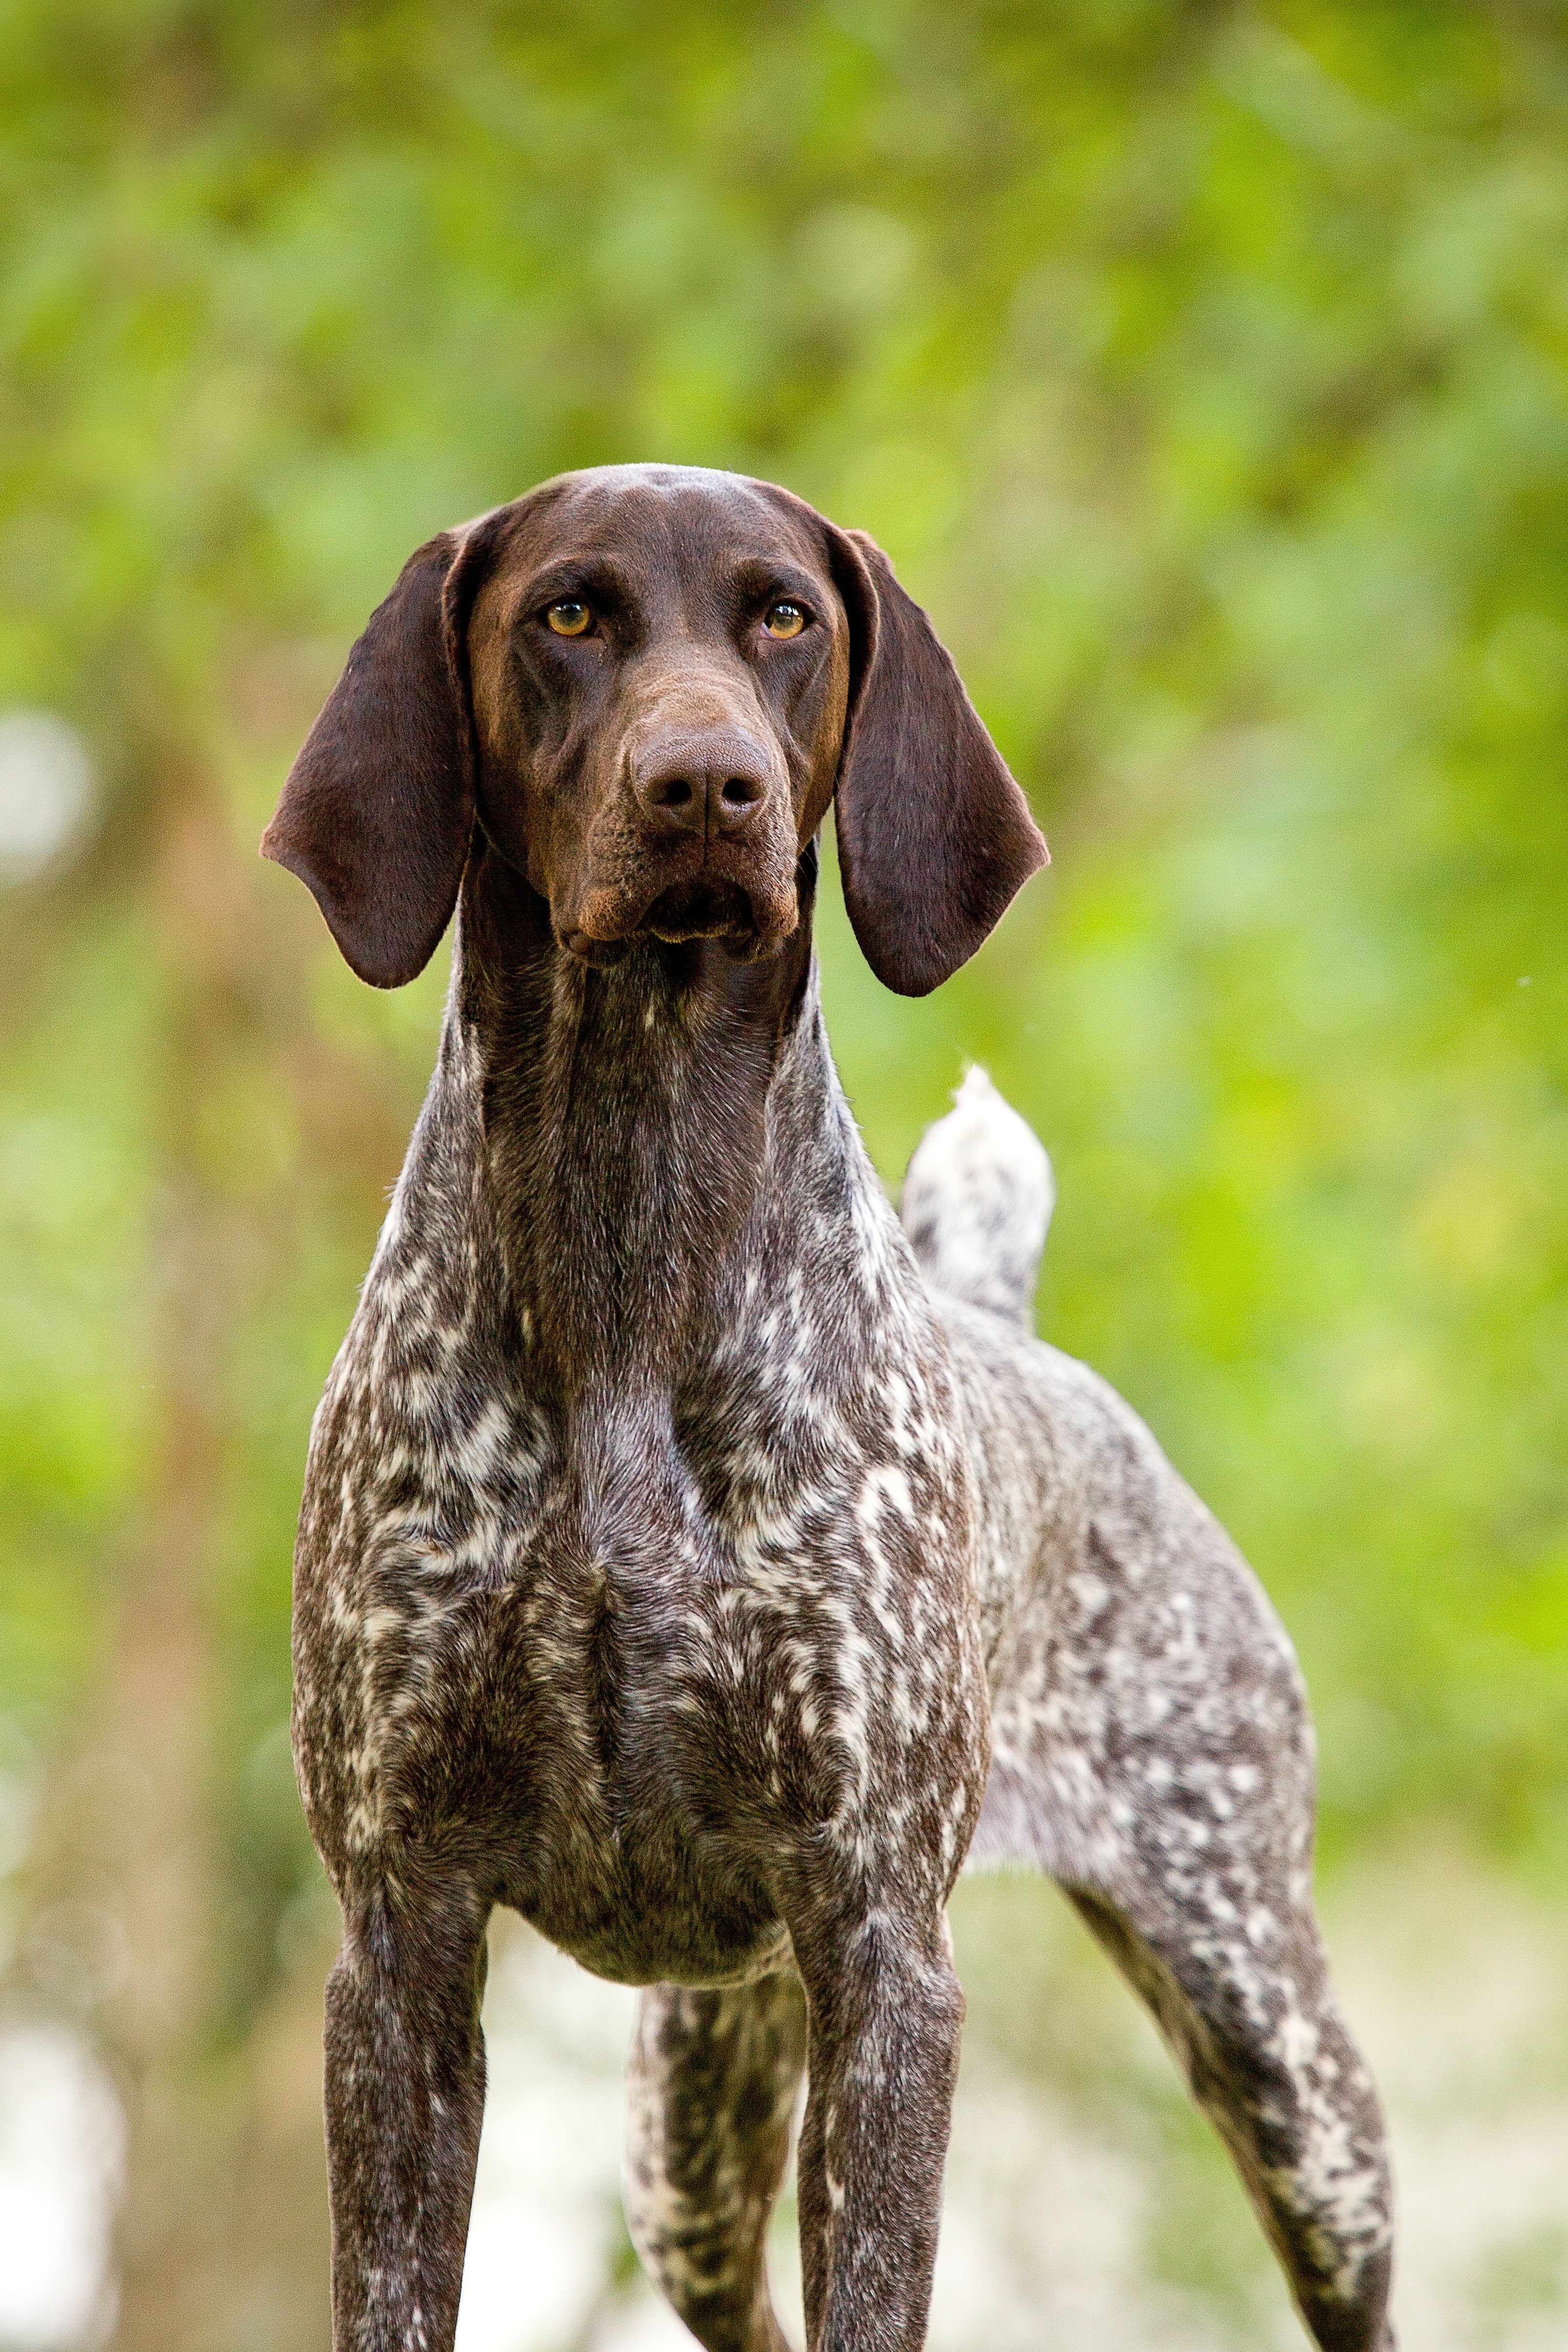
(701,783)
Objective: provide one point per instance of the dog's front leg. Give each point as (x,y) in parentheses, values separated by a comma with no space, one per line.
(885,2014)
(404,2096)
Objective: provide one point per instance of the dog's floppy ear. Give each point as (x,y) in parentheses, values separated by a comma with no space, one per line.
(378,809)
(935,837)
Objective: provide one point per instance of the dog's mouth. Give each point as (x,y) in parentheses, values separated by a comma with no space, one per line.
(746,924)
(703,908)
(747,914)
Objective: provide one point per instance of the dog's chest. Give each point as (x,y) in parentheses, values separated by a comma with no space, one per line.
(643,1655)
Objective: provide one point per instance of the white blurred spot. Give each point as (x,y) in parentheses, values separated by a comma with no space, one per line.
(547,2202)
(46,791)
(61,2147)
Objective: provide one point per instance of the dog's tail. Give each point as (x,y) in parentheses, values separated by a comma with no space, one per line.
(978,1199)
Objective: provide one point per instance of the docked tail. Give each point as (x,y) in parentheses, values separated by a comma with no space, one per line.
(978,1199)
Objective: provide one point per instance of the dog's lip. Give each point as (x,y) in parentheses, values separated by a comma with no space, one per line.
(599,952)
(704,907)
(706,902)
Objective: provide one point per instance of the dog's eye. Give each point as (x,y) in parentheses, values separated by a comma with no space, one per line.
(785,620)
(569,617)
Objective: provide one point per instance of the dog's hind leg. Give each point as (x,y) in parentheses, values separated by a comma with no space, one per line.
(713,2083)
(1270,2062)
(1152,1751)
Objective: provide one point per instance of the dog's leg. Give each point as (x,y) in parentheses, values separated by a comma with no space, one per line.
(713,2082)
(1271,2065)
(404,2096)
(886,2011)
(1153,1751)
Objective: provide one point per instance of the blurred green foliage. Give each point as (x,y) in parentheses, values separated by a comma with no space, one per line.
(1203,369)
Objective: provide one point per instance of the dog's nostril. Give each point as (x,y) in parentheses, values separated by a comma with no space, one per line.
(687,786)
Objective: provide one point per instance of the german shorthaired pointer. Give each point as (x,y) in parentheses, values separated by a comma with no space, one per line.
(693,1557)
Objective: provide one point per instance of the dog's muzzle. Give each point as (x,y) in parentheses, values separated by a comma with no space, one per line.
(706,849)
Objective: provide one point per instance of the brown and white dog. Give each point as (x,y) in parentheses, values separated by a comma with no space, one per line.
(693,1557)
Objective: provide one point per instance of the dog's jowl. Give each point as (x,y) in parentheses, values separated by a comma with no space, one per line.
(693,1556)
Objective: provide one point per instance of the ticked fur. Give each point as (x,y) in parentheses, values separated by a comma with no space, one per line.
(698,1626)
(694,1558)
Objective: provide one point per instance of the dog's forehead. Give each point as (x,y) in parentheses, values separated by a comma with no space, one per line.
(678,522)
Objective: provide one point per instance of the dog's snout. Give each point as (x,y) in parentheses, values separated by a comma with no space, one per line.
(702,784)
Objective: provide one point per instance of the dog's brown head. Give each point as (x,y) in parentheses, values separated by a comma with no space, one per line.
(646,684)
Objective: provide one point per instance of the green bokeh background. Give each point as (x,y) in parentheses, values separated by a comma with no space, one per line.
(1203,369)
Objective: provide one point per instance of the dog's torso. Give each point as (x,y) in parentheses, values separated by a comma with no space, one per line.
(831,1570)
(624,1654)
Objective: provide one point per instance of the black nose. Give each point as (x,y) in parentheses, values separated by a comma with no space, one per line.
(701,783)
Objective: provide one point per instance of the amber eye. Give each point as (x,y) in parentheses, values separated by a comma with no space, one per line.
(569,617)
(784,620)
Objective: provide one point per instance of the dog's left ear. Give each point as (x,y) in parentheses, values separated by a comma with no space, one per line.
(935,837)
(378,810)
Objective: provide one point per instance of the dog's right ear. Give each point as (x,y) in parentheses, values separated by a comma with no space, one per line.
(378,808)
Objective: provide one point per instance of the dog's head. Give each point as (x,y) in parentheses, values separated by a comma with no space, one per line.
(646,684)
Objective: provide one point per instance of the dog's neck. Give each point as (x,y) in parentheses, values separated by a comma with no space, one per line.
(627,1127)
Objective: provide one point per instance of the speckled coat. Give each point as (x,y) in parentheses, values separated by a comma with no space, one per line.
(704,1563)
